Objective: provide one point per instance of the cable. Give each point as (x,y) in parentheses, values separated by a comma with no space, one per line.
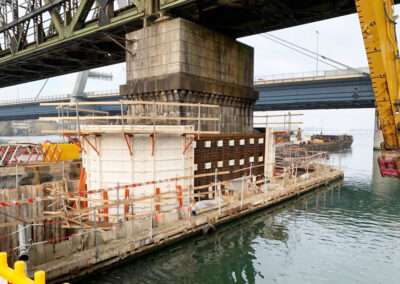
(298,51)
(5,214)
(41,88)
(316,54)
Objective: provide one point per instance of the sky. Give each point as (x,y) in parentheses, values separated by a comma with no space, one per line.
(339,38)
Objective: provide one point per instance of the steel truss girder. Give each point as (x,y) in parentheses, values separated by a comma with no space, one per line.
(72,21)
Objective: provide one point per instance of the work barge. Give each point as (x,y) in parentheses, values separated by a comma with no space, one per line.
(143,187)
(181,158)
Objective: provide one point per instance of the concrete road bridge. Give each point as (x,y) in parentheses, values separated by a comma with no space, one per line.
(45,38)
(335,89)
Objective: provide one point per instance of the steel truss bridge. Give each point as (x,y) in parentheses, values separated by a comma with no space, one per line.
(45,38)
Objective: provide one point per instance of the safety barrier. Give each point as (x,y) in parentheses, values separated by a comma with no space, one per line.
(17,275)
(24,154)
(60,152)
(20,154)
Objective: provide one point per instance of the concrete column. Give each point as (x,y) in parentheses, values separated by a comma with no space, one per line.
(178,61)
(378,137)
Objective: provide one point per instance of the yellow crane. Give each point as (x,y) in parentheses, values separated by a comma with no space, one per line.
(378,30)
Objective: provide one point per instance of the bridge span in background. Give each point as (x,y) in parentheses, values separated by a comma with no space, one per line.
(336,89)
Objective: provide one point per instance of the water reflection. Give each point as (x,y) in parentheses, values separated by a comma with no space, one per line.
(346,233)
(229,255)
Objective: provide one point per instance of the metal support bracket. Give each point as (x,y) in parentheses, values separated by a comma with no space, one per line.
(91,145)
(128,142)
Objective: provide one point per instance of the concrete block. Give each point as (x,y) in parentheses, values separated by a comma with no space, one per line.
(173,67)
(197,44)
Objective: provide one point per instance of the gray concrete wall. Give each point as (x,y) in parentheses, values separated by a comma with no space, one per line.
(180,46)
(179,61)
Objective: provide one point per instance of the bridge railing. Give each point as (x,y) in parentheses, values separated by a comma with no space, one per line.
(307,76)
(94,94)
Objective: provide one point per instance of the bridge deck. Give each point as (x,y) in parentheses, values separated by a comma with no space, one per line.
(322,92)
(32,49)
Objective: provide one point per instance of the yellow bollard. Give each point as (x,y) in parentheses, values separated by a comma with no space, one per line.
(39,277)
(17,275)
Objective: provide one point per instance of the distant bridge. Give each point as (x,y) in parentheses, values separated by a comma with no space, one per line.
(337,89)
(30,108)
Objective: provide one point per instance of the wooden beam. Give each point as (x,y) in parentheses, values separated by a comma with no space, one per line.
(83,110)
(128,102)
(159,117)
(279,115)
(100,131)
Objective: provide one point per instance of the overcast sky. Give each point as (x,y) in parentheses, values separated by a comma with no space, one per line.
(339,38)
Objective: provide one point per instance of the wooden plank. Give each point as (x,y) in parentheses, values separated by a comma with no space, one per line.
(159,117)
(265,123)
(83,110)
(129,102)
(280,115)
(121,131)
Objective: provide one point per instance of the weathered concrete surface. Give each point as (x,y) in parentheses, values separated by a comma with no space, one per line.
(179,61)
(38,173)
(77,257)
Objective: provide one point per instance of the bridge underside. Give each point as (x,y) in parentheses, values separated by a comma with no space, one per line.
(80,43)
(341,93)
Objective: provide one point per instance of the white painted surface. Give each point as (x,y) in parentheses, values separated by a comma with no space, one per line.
(269,161)
(115,166)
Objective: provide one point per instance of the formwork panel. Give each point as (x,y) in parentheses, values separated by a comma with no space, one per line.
(115,166)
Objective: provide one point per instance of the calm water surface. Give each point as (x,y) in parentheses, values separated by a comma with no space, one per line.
(342,234)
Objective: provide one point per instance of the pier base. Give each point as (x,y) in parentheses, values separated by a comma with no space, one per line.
(178,61)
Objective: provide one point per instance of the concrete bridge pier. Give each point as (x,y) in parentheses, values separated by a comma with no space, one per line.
(174,60)
(378,136)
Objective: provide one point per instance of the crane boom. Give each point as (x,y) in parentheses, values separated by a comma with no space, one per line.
(378,30)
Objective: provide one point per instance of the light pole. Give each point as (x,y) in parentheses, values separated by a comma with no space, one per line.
(317,32)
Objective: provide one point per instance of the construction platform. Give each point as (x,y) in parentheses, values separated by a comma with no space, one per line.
(80,255)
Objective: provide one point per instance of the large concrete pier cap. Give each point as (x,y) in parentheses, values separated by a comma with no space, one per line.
(177,60)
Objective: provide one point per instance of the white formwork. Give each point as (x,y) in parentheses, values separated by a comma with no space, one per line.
(115,166)
(269,159)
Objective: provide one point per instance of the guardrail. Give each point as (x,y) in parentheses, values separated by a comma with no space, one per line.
(262,79)
(307,76)
(61,97)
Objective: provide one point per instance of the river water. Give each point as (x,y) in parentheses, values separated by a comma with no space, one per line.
(348,233)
